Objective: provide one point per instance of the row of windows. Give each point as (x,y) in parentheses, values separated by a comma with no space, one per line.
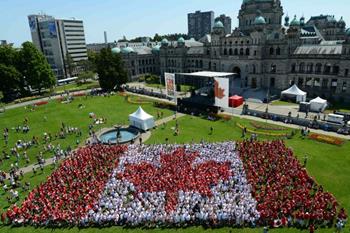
(318,68)
(144,70)
(235,52)
(320,83)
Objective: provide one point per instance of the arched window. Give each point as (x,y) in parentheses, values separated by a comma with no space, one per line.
(293,68)
(272,51)
(241,51)
(302,67)
(318,68)
(278,51)
(247,52)
(230,51)
(310,68)
(236,52)
(225,51)
(335,69)
(327,69)
(273,68)
(254,69)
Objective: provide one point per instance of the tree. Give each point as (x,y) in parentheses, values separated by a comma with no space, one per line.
(9,81)
(35,68)
(86,75)
(110,69)
(69,64)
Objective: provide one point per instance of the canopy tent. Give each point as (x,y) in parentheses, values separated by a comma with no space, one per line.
(236,101)
(318,105)
(141,120)
(294,92)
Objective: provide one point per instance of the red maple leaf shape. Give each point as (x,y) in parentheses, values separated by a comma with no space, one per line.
(176,173)
(219,92)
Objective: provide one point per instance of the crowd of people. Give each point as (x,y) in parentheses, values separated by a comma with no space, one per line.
(177,185)
(285,193)
(70,191)
(214,184)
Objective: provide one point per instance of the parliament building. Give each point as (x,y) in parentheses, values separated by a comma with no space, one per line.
(268,50)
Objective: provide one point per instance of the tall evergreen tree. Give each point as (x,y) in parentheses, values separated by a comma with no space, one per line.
(110,69)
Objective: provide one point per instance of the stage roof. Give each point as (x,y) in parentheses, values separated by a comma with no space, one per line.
(208,74)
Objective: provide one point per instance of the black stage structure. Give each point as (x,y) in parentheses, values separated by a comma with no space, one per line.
(202,97)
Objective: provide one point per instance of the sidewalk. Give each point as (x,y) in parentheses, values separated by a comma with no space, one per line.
(333,134)
(145,136)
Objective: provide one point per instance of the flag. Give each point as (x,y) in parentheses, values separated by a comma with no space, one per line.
(210,183)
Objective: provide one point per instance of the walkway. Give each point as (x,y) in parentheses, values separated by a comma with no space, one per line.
(145,136)
(333,134)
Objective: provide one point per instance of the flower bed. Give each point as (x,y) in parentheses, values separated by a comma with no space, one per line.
(79,94)
(266,127)
(327,139)
(41,103)
(263,133)
(139,100)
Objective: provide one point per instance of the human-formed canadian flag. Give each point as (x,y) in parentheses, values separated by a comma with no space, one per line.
(246,184)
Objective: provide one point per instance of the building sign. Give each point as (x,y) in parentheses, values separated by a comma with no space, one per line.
(52,29)
(221,90)
(170,85)
(32,23)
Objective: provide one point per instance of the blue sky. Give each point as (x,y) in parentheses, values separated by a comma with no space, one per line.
(139,17)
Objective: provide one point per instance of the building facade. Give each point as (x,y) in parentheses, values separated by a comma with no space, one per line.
(226,21)
(57,39)
(200,24)
(269,52)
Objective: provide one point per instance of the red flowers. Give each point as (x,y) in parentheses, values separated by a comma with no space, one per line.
(71,190)
(282,186)
(326,139)
(41,103)
(176,173)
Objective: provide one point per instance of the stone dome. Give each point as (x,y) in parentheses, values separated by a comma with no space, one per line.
(219,24)
(259,20)
(127,50)
(156,49)
(295,22)
(181,40)
(165,42)
(115,50)
(348,32)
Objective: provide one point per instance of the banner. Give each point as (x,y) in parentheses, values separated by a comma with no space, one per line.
(170,85)
(221,89)
(52,29)
(32,23)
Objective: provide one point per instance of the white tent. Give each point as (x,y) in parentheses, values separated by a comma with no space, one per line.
(318,105)
(295,92)
(141,120)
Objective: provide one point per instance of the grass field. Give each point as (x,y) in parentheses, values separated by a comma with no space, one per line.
(184,88)
(328,164)
(114,108)
(75,86)
(282,103)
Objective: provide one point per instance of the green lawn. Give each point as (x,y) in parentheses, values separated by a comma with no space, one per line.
(184,88)
(282,103)
(328,164)
(115,108)
(75,87)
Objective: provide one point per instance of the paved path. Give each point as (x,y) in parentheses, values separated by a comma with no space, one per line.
(145,136)
(31,102)
(333,134)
